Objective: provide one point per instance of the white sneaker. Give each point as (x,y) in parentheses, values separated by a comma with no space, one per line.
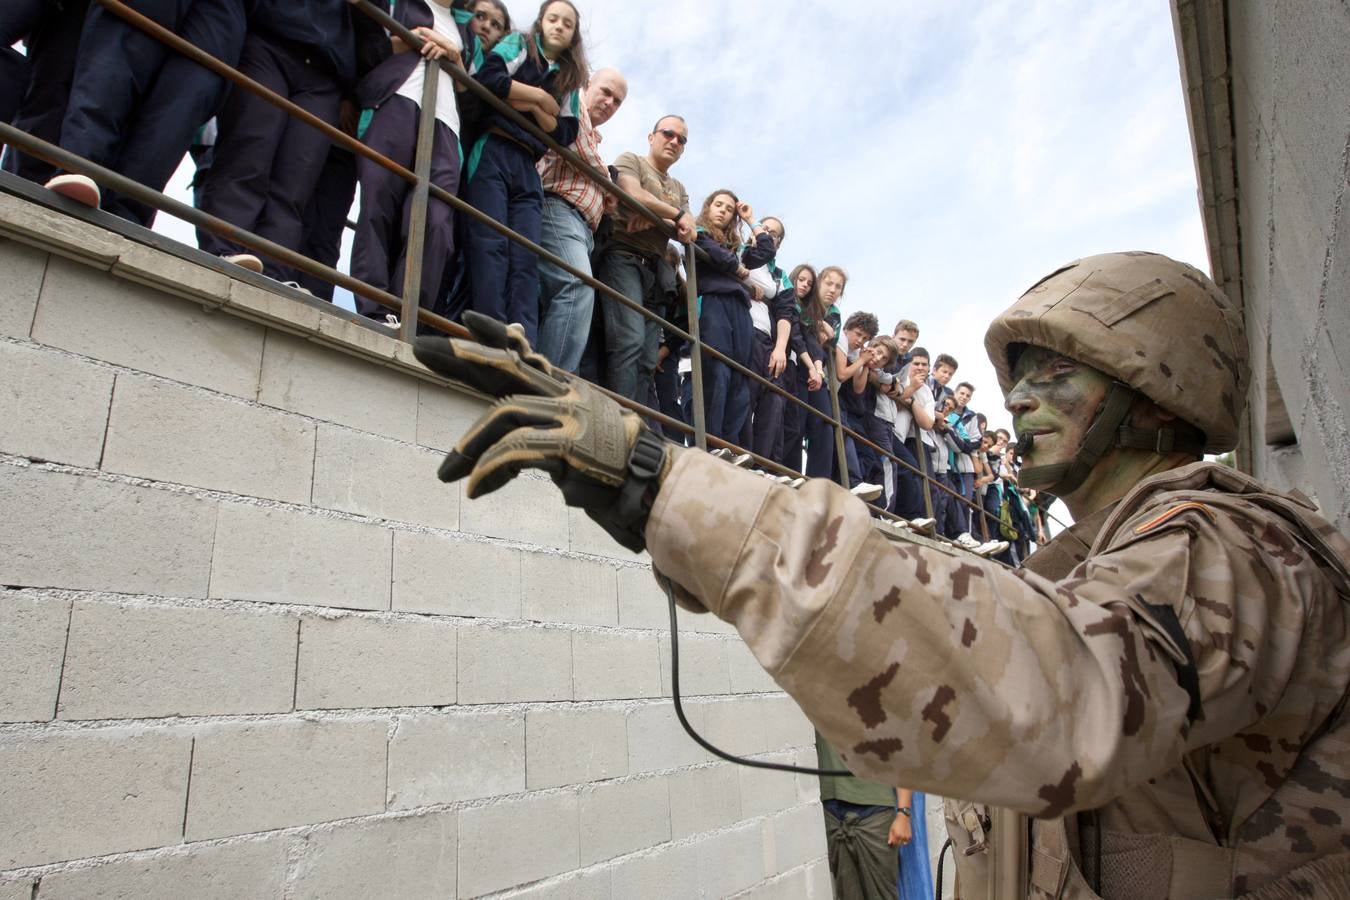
(924,526)
(80,188)
(244,261)
(742,461)
(866,491)
(391,321)
(796,482)
(965,540)
(990,548)
(722,453)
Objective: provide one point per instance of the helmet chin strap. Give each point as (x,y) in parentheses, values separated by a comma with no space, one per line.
(1108,431)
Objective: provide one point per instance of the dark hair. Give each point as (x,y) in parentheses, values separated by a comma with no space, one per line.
(499,6)
(1004,432)
(573,72)
(944,360)
(810,304)
(983,420)
(966,384)
(667,116)
(918,351)
(864,322)
(726,236)
(885,340)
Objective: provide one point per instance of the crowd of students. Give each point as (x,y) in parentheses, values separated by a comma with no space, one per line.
(103,89)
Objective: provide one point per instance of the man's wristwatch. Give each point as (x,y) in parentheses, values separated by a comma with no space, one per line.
(906,812)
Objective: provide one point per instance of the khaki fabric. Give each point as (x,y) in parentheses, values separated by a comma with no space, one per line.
(862,865)
(1050,695)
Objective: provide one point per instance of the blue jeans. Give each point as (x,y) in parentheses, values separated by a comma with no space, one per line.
(631,339)
(565,301)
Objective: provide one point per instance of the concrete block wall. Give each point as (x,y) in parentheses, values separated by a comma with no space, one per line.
(251,647)
(1290,133)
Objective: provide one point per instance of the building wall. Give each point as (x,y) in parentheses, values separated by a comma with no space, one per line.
(251,647)
(1268,91)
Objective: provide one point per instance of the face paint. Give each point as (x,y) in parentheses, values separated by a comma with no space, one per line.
(1054,398)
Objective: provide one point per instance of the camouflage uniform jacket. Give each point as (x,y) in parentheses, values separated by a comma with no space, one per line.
(1063,691)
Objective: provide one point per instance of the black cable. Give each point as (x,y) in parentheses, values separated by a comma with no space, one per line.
(937,894)
(698,738)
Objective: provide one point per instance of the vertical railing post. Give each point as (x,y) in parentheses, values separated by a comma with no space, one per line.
(417,219)
(832,354)
(698,420)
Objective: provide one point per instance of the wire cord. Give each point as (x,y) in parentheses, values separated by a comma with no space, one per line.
(698,738)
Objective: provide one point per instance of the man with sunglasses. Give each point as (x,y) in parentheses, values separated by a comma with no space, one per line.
(634,262)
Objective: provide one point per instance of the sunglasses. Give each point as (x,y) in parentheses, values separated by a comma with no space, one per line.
(671,134)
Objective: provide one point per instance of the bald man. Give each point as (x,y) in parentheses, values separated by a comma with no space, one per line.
(572,209)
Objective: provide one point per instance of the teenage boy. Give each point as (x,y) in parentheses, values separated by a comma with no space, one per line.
(913,414)
(859,328)
(879,423)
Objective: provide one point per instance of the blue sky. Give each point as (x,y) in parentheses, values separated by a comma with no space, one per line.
(946,154)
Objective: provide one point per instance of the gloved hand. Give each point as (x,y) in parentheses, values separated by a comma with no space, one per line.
(600,455)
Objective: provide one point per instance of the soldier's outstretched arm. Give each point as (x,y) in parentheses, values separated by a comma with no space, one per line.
(952,674)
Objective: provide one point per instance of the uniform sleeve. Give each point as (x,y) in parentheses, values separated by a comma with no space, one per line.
(948,674)
(720,259)
(569,120)
(494,74)
(759,253)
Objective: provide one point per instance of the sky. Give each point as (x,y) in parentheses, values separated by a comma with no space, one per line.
(947,155)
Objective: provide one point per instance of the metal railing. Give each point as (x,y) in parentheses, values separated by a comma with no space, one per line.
(411,314)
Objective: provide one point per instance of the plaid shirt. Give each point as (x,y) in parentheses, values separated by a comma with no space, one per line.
(560,178)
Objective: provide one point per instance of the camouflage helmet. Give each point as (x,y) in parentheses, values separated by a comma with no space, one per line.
(1157,325)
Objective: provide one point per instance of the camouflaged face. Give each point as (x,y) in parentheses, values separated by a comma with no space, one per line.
(1156,324)
(1054,692)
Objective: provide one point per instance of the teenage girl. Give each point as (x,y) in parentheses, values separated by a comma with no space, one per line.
(391,97)
(820,329)
(803,374)
(541,74)
(724,307)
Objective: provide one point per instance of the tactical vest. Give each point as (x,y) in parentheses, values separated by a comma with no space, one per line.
(1042,854)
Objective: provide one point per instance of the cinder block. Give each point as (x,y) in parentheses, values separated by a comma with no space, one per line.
(280,556)
(409,856)
(588,537)
(819,885)
(354,662)
(444,415)
(98,315)
(623,816)
(165,432)
(52,407)
(529,509)
(263,776)
(798,837)
(516,842)
(318,381)
(570,746)
(57,533)
(704,799)
(730,861)
(445,576)
(32,645)
(790,886)
(758,725)
(671,871)
(360,473)
(614,666)
(643,604)
(514,665)
(563,589)
(18,890)
(253,868)
(24,267)
(656,740)
(446,758)
(87,793)
(765,792)
(703,665)
(747,675)
(784,723)
(143,662)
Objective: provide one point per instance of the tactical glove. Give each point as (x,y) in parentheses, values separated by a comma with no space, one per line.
(601,456)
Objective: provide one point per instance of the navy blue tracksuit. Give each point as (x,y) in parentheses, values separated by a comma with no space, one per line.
(503,183)
(266,164)
(819,432)
(35,89)
(724,325)
(763,429)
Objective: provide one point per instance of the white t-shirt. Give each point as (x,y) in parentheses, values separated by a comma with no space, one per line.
(903,416)
(447,110)
(760,314)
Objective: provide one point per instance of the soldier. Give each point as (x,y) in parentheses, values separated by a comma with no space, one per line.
(1163,688)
